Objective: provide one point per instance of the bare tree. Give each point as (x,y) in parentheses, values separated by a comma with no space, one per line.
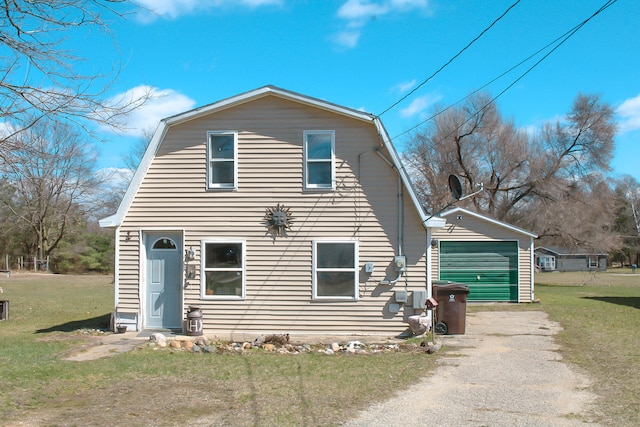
(119,180)
(581,216)
(475,143)
(627,190)
(38,74)
(523,175)
(137,150)
(48,182)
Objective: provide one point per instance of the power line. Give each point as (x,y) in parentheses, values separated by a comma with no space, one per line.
(560,41)
(450,60)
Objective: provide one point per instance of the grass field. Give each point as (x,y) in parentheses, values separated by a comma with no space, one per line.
(600,314)
(52,314)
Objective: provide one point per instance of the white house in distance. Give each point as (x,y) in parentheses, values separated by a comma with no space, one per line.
(273,212)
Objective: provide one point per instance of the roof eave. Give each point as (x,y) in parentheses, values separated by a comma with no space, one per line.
(491,220)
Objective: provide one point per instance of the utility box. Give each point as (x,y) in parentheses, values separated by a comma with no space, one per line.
(401,297)
(400,263)
(419,299)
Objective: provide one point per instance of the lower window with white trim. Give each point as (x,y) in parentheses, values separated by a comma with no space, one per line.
(335,270)
(223,269)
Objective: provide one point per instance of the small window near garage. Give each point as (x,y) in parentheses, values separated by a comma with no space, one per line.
(223,270)
(593,262)
(222,155)
(335,270)
(546,262)
(319,147)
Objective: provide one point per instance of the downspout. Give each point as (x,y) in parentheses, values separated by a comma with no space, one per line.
(116,268)
(428,265)
(400,217)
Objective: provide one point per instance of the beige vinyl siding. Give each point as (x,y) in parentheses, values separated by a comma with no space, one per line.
(475,229)
(364,207)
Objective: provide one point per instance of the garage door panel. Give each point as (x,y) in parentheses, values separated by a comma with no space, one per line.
(478,277)
(494,293)
(489,268)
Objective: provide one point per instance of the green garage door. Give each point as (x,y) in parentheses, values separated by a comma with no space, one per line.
(489,268)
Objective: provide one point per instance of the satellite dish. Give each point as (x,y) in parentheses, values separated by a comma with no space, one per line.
(455,186)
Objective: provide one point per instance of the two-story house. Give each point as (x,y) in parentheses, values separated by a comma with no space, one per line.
(274,212)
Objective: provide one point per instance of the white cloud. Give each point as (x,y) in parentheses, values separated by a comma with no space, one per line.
(403,87)
(418,105)
(347,38)
(354,10)
(358,12)
(629,112)
(115,178)
(162,103)
(7,129)
(172,9)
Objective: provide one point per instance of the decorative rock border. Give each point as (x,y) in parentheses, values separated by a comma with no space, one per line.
(279,344)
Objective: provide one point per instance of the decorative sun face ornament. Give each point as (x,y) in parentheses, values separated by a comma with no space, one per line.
(278,220)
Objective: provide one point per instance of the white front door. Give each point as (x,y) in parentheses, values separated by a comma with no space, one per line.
(163,280)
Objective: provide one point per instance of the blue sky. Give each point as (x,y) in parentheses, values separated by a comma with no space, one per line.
(368,54)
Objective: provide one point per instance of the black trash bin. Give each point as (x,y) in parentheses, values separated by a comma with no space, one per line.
(451,312)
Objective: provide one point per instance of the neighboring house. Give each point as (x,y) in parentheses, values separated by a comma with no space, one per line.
(273,212)
(553,258)
(493,258)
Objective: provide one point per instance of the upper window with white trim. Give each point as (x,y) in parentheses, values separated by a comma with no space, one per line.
(222,155)
(319,159)
(335,274)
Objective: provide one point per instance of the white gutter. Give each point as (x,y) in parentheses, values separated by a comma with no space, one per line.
(116,270)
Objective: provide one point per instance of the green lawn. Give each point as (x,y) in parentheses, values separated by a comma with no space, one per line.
(48,315)
(51,314)
(600,314)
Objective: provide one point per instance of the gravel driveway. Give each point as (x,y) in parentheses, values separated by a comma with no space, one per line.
(505,371)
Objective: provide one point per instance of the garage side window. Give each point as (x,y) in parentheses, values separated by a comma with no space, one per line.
(222,154)
(335,270)
(224,270)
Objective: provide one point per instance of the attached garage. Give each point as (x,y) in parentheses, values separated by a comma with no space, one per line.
(493,258)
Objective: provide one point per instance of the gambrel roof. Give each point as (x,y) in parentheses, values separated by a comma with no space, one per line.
(117,219)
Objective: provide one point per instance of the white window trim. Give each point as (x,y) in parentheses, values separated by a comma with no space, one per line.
(355,270)
(243,269)
(308,186)
(210,185)
(547,262)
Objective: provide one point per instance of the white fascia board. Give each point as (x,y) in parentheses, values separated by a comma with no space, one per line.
(108,221)
(433,222)
(489,219)
(116,219)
